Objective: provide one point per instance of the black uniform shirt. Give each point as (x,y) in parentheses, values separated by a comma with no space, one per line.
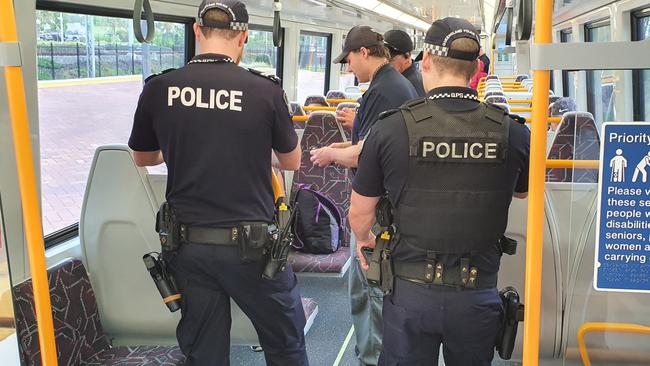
(216,124)
(414,76)
(384,162)
(388,90)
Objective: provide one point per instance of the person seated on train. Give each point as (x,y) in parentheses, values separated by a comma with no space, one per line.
(558,108)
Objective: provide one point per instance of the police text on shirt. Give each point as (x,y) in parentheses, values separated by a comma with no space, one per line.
(195,97)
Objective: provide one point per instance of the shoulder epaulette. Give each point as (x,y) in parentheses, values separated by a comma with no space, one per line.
(414,103)
(157,74)
(387,113)
(273,78)
(418,109)
(495,113)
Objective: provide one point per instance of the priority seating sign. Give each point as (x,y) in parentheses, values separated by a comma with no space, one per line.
(623,219)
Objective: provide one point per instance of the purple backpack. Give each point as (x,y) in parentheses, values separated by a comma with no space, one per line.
(316,226)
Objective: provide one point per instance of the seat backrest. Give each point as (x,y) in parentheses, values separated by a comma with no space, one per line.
(491,77)
(316,100)
(496,99)
(335,94)
(296,109)
(521,78)
(332,181)
(493,92)
(576,138)
(116,228)
(493,82)
(347,105)
(78,331)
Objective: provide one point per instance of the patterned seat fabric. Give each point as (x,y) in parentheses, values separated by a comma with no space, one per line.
(521,78)
(79,335)
(494,93)
(316,100)
(332,181)
(335,94)
(296,109)
(492,77)
(138,356)
(319,263)
(496,99)
(347,131)
(576,139)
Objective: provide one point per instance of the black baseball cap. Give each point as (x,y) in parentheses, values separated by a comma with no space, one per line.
(359,36)
(443,32)
(398,41)
(235,9)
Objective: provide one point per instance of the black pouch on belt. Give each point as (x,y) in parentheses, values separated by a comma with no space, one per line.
(253,238)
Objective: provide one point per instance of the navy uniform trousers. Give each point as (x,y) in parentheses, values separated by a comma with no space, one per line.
(419,317)
(207,277)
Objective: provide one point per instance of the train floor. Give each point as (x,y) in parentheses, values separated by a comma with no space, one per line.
(330,341)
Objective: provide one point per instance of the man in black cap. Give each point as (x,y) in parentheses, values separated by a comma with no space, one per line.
(400,46)
(216,132)
(367,57)
(448,166)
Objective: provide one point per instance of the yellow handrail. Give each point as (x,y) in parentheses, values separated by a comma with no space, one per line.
(548,120)
(318,108)
(300,118)
(605,327)
(341,100)
(572,164)
(537,173)
(278,190)
(521,109)
(28,192)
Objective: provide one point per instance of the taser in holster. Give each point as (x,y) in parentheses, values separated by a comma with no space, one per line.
(514,313)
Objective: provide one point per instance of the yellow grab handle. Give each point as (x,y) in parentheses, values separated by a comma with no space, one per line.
(28,192)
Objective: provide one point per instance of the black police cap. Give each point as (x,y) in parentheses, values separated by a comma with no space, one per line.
(235,9)
(443,32)
(359,36)
(399,41)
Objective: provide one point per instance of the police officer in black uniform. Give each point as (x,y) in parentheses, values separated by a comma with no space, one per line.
(450,166)
(400,46)
(215,125)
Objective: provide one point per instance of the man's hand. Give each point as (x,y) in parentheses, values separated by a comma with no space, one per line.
(367,243)
(322,157)
(340,145)
(345,116)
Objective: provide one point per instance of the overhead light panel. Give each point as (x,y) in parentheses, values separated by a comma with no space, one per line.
(391,12)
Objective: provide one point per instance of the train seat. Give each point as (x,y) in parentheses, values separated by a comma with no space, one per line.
(318,100)
(296,110)
(491,77)
(505,106)
(496,99)
(333,182)
(347,132)
(116,229)
(79,335)
(493,92)
(576,138)
(335,94)
(521,78)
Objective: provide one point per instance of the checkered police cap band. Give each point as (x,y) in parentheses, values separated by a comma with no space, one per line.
(233,25)
(436,50)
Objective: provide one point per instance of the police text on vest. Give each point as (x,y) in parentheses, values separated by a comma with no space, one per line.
(459,150)
(196,97)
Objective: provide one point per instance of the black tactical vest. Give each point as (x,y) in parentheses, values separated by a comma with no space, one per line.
(457,193)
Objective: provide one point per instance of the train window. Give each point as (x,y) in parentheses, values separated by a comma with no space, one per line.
(601,84)
(90,71)
(346,77)
(313,64)
(641,31)
(260,53)
(568,77)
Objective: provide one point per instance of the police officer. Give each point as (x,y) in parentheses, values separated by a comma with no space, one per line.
(400,45)
(450,166)
(367,58)
(215,124)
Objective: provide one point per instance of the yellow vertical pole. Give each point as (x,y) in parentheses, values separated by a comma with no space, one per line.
(28,193)
(534,235)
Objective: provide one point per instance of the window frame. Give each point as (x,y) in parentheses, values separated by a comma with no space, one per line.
(279,72)
(588,27)
(328,57)
(565,73)
(66,233)
(639,106)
